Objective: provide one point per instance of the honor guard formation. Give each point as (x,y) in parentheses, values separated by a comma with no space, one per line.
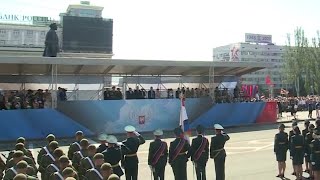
(113,159)
(304,148)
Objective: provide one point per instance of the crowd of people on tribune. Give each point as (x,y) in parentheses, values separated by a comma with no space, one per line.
(85,161)
(116,93)
(304,147)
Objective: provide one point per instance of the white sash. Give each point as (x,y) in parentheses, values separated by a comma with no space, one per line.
(59,175)
(78,145)
(97,172)
(46,149)
(14,171)
(80,153)
(55,167)
(90,162)
(50,155)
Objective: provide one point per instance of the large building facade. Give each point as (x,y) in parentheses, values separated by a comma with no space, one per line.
(255,52)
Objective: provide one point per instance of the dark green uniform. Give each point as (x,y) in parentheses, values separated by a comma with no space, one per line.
(308,140)
(281,145)
(199,153)
(113,155)
(157,158)
(178,158)
(297,149)
(218,153)
(77,158)
(74,147)
(56,176)
(94,174)
(25,151)
(52,168)
(44,150)
(2,167)
(46,160)
(315,154)
(32,169)
(12,172)
(85,164)
(131,161)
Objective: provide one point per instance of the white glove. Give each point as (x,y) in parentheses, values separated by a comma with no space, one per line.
(313,163)
(119,143)
(136,133)
(291,157)
(151,168)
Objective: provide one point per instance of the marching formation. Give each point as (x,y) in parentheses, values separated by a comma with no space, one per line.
(303,147)
(85,161)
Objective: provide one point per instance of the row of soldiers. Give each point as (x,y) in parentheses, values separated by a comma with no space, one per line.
(303,147)
(106,162)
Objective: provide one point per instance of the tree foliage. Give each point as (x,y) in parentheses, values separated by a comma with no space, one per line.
(302,62)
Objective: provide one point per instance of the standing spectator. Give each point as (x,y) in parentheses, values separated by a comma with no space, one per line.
(137,93)
(188,93)
(178,92)
(197,93)
(170,93)
(2,102)
(106,95)
(119,94)
(112,93)
(151,93)
(310,109)
(143,93)
(317,109)
(183,91)
(279,109)
(158,94)
(192,93)
(48,99)
(129,94)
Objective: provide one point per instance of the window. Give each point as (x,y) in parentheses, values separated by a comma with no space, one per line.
(2,31)
(29,33)
(42,33)
(16,32)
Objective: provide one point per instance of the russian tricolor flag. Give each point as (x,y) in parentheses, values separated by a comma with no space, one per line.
(184,123)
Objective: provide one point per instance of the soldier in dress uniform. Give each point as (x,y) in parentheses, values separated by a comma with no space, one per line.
(315,154)
(45,150)
(49,158)
(20,147)
(17,157)
(130,161)
(55,170)
(291,133)
(304,133)
(84,143)
(87,162)
(297,152)
(158,155)
(74,147)
(281,144)
(24,177)
(308,140)
(178,156)
(103,140)
(113,155)
(217,151)
(69,172)
(21,167)
(95,173)
(53,166)
(199,153)
(113,177)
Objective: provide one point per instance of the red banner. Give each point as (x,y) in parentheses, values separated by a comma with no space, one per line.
(269,113)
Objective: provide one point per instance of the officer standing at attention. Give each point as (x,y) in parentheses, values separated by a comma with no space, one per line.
(178,157)
(304,133)
(103,140)
(315,154)
(113,155)
(158,155)
(74,147)
(297,152)
(217,151)
(281,144)
(199,153)
(45,150)
(130,162)
(308,139)
(291,133)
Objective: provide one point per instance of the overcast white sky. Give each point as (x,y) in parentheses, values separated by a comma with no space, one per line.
(185,29)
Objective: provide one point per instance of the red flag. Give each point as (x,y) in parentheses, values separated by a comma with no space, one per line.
(268,80)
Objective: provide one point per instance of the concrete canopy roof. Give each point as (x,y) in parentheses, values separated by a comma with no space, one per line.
(29,65)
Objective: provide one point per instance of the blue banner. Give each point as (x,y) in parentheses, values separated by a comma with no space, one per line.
(112,116)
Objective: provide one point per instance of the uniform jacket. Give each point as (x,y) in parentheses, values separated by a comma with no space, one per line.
(153,149)
(197,143)
(217,145)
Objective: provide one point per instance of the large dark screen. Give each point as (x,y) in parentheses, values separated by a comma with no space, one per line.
(84,34)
